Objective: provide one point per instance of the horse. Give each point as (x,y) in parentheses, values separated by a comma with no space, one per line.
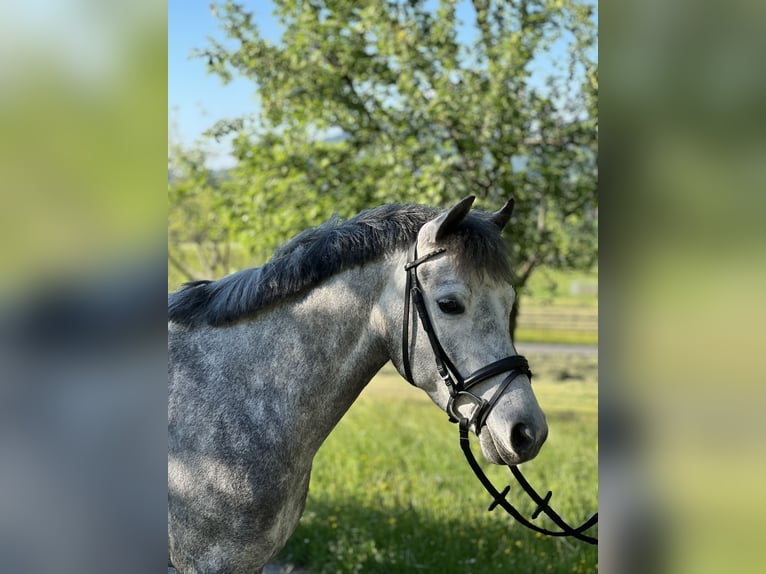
(263,364)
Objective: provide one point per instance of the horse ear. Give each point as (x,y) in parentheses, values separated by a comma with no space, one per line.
(503,216)
(447,222)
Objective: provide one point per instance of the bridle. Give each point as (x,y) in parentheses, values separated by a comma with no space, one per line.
(460,388)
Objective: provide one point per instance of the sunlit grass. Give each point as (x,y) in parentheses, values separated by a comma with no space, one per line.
(563,337)
(391,491)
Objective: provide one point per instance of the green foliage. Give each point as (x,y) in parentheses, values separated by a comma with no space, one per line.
(391,491)
(201,208)
(422,116)
(363,103)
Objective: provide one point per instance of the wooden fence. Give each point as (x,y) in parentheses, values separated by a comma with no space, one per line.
(559,318)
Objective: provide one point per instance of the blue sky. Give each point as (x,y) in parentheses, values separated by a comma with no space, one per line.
(196,100)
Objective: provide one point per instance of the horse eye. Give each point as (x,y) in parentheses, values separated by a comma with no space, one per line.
(451,306)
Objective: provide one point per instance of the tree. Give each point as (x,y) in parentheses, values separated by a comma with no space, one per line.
(363,103)
(200,205)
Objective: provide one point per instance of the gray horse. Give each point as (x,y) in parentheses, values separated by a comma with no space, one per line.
(264,363)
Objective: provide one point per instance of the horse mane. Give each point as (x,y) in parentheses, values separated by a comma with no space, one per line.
(320,252)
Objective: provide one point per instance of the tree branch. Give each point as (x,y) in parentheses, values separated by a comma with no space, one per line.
(527,273)
(482,12)
(181,267)
(203,259)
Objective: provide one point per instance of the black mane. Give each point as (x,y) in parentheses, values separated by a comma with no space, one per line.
(318,253)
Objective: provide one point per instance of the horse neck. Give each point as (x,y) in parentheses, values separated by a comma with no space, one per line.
(325,346)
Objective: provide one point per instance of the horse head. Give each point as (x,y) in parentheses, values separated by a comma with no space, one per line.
(458,278)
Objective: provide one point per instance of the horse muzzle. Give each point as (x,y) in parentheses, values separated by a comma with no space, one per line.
(523,444)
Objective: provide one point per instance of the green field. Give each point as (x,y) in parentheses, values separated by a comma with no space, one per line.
(391,491)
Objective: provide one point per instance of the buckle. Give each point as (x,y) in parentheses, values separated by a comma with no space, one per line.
(479,405)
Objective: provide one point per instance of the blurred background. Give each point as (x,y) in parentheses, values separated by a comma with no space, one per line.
(679,215)
(82,348)
(682,276)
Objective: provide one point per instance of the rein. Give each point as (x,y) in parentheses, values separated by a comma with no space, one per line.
(459,387)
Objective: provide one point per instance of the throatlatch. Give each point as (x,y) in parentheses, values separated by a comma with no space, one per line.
(459,387)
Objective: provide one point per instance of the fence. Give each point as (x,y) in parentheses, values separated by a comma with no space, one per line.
(559,318)
(558,324)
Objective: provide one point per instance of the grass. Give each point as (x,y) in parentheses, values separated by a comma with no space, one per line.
(556,336)
(391,491)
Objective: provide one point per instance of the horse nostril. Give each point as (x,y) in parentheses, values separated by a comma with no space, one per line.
(522,438)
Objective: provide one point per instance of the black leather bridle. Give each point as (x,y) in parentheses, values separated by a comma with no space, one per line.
(460,387)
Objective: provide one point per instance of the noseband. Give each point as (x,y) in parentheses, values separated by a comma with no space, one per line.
(460,387)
